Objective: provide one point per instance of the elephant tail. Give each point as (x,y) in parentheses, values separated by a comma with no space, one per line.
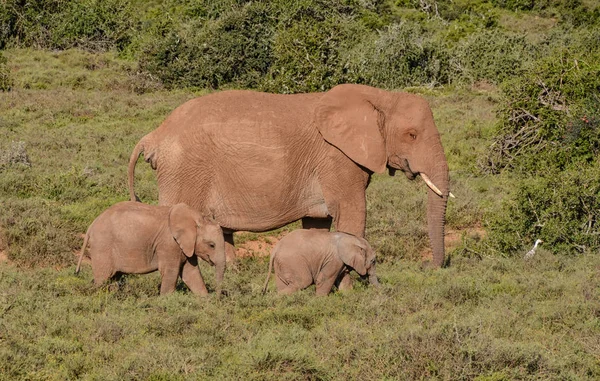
(139,148)
(85,242)
(264,291)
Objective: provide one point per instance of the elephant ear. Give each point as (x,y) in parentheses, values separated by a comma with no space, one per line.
(348,117)
(183,228)
(352,252)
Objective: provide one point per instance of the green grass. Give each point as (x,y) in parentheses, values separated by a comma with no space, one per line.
(66,132)
(496,319)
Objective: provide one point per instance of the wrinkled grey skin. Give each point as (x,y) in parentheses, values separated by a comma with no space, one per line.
(135,238)
(304,257)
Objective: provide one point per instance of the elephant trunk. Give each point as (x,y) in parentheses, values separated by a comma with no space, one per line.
(219,262)
(373,276)
(436,209)
(219,274)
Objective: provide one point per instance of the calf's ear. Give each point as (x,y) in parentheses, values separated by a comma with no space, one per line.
(183,228)
(352,252)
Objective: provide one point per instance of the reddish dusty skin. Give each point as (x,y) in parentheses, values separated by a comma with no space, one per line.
(306,257)
(258,161)
(135,238)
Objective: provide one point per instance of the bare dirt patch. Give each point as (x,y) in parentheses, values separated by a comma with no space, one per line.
(257,248)
(3,248)
(3,256)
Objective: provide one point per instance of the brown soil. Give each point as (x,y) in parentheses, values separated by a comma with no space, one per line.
(3,256)
(257,248)
(3,248)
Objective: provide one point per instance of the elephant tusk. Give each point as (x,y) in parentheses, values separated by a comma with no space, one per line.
(431,185)
(451,195)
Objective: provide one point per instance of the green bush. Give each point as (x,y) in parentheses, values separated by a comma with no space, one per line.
(27,23)
(233,49)
(563,210)
(541,111)
(281,46)
(307,55)
(493,56)
(91,24)
(402,55)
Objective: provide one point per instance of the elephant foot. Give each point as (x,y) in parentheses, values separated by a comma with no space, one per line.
(344,282)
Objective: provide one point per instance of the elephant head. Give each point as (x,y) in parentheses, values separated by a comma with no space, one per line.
(378,129)
(198,236)
(358,254)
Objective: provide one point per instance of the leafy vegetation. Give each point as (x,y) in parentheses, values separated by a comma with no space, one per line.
(296,46)
(490,319)
(514,88)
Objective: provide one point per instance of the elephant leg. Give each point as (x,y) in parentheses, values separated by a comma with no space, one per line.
(101,270)
(343,281)
(169,276)
(316,223)
(324,285)
(351,218)
(229,248)
(192,277)
(284,287)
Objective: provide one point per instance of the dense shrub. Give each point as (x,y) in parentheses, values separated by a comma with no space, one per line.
(402,55)
(541,112)
(91,24)
(307,55)
(282,46)
(492,56)
(27,23)
(212,53)
(563,210)
(549,135)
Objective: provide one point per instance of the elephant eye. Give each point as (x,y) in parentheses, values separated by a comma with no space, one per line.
(413,136)
(212,245)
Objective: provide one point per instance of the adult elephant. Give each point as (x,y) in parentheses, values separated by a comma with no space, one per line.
(257,161)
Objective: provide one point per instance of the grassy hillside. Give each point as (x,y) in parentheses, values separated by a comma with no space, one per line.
(67,128)
(514,89)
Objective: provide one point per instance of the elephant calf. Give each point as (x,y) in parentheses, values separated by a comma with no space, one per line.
(304,257)
(135,238)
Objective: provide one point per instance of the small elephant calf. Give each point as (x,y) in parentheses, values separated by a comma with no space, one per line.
(304,257)
(135,238)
